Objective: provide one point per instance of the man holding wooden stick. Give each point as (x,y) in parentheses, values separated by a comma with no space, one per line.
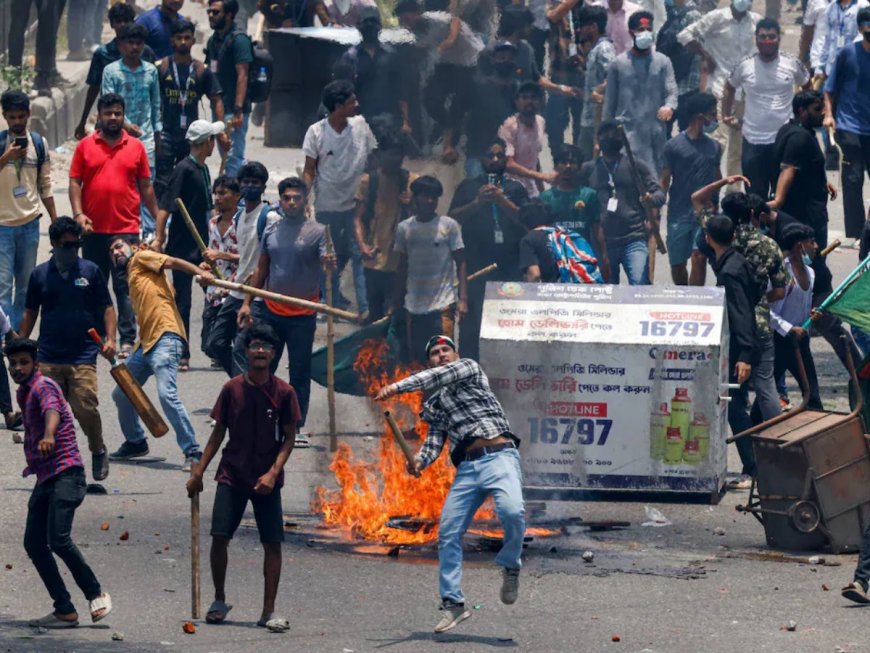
(463,409)
(292,256)
(191,183)
(260,413)
(162,341)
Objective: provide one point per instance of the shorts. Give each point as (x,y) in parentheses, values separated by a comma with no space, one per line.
(682,239)
(229,508)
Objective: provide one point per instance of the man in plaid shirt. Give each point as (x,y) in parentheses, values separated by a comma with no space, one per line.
(53,456)
(463,410)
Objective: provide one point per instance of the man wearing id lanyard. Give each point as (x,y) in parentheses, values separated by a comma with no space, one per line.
(841,19)
(191,182)
(25,180)
(183,81)
(229,53)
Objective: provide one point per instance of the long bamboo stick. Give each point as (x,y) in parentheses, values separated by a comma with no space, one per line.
(191,226)
(330,350)
(317,307)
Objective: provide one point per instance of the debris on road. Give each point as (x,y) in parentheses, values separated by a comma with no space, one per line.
(655,517)
(188,627)
(791,626)
(124,536)
(117,636)
(104,526)
(587,556)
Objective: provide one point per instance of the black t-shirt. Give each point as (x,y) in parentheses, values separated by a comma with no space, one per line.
(491,104)
(535,250)
(783,220)
(175,83)
(480,227)
(379,81)
(106,54)
(807,198)
(222,54)
(70,306)
(192,183)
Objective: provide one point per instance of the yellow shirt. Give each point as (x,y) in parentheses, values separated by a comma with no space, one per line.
(153,298)
(21,186)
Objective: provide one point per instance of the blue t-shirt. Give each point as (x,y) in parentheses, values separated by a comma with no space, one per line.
(849,83)
(69,308)
(693,163)
(159,36)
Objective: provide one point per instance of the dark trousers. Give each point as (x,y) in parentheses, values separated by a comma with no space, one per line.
(5,393)
(856,163)
(759,167)
(423,326)
(739,420)
(81,16)
(379,292)
(96,249)
(172,150)
(537,38)
(562,108)
(219,343)
(50,514)
(209,314)
(297,334)
(469,328)
(48,20)
(786,360)
(183,283)
(449,85)
(862,571)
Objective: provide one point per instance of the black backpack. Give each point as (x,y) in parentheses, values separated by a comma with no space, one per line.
(38,144)
(259,70)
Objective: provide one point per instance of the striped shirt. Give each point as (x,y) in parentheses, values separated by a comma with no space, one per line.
(36,397)
(463,407)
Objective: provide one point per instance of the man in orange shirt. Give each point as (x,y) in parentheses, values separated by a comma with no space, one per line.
(292,258)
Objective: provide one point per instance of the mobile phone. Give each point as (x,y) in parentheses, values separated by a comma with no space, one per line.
(21,141)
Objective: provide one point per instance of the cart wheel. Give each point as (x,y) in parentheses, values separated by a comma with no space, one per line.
(804,516)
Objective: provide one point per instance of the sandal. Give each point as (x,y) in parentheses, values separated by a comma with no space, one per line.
(126,350)
(100,607)
(184,366)
(53,622)
(14,421)
(274,624)
(217,612)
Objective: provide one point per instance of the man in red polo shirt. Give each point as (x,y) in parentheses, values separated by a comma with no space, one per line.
(108,180)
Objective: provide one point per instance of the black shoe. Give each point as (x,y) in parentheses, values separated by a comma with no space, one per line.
(100,464)
(130,450)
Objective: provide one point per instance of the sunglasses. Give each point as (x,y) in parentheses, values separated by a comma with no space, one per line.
(265,346)
(73,244)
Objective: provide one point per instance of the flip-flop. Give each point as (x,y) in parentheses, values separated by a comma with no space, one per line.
(126,351)
(51,621)
(221,608)
(102,602)
(274,624)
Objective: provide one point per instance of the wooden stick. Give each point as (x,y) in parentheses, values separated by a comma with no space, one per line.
(330,350)
(399,438)
(317,307)
(194,556)
(830,248)
(195,233)
(492,267)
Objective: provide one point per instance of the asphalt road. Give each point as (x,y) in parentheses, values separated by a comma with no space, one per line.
(702,583)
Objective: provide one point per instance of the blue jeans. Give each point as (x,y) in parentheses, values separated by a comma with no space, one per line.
(562,108)
(18,247)
(161,361)
(634,259)
(297,333)
(346,249)
(236,155)
(147,221)
(497,474)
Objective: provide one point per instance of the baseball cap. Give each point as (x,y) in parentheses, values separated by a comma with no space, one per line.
(200,130)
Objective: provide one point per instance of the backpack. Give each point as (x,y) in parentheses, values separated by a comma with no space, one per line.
(38,144)
(668,44)
(371,199)
(259,70)
(262,222)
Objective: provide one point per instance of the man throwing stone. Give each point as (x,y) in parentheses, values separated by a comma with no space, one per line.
(462,407)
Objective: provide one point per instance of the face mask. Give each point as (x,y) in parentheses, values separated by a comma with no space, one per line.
(741,5)
(807,259)
(64,259)
(643,40)
(251,193)
(711,126)
(610,145)
(504,68)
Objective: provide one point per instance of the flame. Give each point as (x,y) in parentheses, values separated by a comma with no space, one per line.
(371,492)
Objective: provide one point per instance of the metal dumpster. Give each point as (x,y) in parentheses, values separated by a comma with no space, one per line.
(812,486)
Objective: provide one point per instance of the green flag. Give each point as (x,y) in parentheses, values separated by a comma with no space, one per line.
(851,300)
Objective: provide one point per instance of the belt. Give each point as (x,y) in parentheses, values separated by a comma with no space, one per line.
(483,451)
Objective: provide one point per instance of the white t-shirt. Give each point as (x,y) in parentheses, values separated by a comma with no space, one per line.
(5,324)
(429,248)
(341,160)
(815,16)
(248,244)
(769,90)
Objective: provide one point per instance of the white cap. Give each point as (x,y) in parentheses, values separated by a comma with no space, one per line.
(200,130)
